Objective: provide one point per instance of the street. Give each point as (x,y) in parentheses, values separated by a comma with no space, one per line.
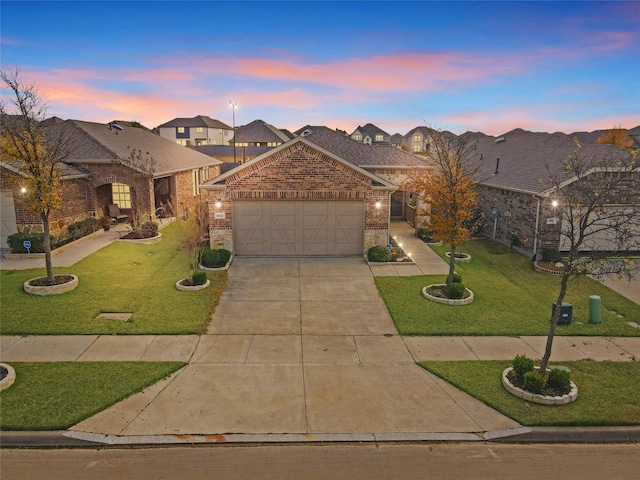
(329,461)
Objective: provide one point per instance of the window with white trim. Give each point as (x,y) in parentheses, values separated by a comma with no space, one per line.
(182,142)
(199,129)
(196,182)
(180,129)
(357,137)
(379,137)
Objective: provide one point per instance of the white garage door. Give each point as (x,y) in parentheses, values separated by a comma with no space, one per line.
(298,228)
(7,217)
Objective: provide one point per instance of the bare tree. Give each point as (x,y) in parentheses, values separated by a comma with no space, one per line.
(450,188)
(600,203)
(37,148)
(140,182)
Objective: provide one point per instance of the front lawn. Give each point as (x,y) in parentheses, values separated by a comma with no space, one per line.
(608,392)
(55,396)
(120,278)
(511,298)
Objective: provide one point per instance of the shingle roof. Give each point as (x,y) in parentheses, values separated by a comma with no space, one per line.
(68,170)
(199,121)
(524,155)
(96,143)
(370,129)
(259,131)
(365,156)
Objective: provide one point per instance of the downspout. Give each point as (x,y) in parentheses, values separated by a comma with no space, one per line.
(535,236)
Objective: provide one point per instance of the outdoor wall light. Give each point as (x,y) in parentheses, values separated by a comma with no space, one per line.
(218,203)
(378,204)
(554,203)
(23,190)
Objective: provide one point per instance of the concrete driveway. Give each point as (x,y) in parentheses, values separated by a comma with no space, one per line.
(299,346)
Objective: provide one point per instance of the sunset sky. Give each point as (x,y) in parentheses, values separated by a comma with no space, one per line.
(480,66)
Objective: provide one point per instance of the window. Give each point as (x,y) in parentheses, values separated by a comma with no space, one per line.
(379,137)
(180,129)
(182,142)
(273,144)
(417,148)
(356,136)
(196,182)
(121,195)
(199,129)
(417,138)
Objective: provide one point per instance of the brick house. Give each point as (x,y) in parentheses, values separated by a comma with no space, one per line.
(319,194)
(516,193)
(99,171)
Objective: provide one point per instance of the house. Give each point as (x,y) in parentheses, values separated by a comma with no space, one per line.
(131,167)
(259,134)
(371,135)
(318,194)
(196,131)
(516,192)
(417,140)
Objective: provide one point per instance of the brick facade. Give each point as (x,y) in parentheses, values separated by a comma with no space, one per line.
(298,172)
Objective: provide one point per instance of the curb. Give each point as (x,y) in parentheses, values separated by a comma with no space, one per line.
(73,439)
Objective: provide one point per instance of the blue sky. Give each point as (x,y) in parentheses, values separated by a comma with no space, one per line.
(481,66)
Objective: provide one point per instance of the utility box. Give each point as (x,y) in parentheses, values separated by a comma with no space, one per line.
(594,309)
(566,313)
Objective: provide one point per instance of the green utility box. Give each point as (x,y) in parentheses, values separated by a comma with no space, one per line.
(594,309)
(566,313)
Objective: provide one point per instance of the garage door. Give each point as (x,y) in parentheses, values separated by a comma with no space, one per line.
(298,228)
(7,217)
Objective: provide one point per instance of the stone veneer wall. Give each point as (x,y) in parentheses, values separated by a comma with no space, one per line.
(298,172)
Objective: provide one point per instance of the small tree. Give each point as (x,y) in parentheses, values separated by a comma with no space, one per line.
(37,148)
(451,189)
(140,181)
(589,192)
(191,230)
(617,136)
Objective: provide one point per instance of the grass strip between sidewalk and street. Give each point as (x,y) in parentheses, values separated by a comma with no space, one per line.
(608,392)
(122,277)
(55,396)
(511,298)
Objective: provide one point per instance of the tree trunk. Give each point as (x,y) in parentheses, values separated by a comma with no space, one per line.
(554,321)
(47,246)
(452,264)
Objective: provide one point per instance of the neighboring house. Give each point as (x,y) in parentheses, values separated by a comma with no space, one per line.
(100,171)
(396,139)
(196,131)
(318,194)
(259,134)
(515,182)
(225,153)
(417,140)
(371,135)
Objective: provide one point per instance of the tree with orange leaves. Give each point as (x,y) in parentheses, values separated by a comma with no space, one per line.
(617,136)
(450,189)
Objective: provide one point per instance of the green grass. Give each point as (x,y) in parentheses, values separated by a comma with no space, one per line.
(122,277)
(511,298)
(608,392)
(55,396)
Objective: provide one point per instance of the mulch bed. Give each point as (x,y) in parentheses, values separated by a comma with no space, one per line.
(57,280)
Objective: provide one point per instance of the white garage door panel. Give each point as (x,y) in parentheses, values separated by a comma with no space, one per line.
(7,217)
(298,228)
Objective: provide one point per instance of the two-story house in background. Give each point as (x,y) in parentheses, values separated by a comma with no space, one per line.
(196,131)
(371,135)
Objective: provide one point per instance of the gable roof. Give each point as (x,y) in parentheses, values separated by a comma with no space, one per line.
(365,156)
(524,156)
(371,130)
(259,131)
(97,143)
(198,121)
(376,181)
(69,171)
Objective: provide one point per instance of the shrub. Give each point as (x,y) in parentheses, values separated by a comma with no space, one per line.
(379,253)
(559,380)
(149,229)
(457,278)
(15,242)
(210,258)
(521,365)
(82,228)
(425,234)
(225,255)
(455,290)
(198,278)
(551,255)
(535,382)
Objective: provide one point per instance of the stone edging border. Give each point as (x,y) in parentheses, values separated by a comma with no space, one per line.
(537,398)
(388,264)
(143,241)
(466,258)
(217,269)
(51,289)
(7,381)
(184,288)
(447,301)
(537,267)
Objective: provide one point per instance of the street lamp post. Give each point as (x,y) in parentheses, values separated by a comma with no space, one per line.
(234,105)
